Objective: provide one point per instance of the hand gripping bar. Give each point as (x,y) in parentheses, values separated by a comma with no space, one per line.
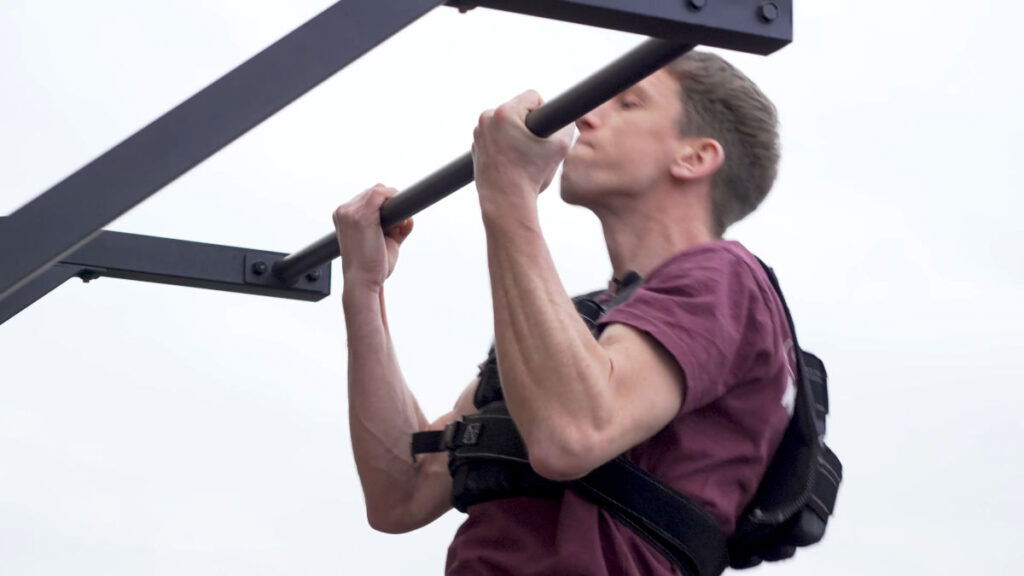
(600,87)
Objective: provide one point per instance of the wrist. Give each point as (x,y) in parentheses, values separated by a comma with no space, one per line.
(501,207)
(502,191)
(505,221)
(358,289)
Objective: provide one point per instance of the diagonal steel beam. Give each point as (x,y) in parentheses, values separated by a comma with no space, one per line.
(72,212)
(35,289)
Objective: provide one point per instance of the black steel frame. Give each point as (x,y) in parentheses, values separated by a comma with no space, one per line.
(35,289)
(175,262)
(51,238)
(758,26)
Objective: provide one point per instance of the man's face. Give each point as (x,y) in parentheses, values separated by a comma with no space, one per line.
(627,145)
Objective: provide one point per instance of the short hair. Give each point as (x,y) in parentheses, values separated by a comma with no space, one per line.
(722,103)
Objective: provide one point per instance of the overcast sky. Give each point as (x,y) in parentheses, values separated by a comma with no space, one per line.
(148,429)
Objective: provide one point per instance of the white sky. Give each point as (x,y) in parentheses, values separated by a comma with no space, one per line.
(161,430)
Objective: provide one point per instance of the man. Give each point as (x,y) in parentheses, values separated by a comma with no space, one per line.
(688,376)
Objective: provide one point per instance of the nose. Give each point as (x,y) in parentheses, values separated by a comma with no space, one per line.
(589,121)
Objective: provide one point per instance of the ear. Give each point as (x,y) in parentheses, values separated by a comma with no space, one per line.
(698,158)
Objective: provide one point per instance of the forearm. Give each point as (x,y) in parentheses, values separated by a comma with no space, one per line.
(383,413)
(554,373)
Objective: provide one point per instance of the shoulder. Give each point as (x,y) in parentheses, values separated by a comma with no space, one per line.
(722,259)
(712,276)
(712,307)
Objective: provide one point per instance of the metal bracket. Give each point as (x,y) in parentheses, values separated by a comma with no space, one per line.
(259,272)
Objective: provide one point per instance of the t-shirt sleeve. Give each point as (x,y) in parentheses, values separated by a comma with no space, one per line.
(706,308)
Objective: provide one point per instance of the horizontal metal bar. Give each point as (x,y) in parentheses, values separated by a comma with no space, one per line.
(629,69)
(196,265)
(757,26)
(31,292)
(70,213)
(184,263)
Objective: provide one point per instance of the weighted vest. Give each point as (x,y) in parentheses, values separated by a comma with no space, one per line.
(488,460)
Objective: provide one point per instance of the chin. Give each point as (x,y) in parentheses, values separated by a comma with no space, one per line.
(570,190)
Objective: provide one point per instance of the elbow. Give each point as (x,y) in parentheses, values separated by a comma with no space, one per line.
(388,523)
(563,460)
(382,523)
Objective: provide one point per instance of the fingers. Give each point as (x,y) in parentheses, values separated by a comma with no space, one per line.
(399,232)
(526,102)
(485,118)
(517,108)
(365,207)
(376,196)
(514,113)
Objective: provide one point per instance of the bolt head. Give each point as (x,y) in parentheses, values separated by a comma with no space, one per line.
(769,11)
(89,275)
(259,268)
(313,276)
(697,4)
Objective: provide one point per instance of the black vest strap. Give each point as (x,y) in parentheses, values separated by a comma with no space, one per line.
(826,484)
(687,535)
(428,442)
(681,530)
(480,436)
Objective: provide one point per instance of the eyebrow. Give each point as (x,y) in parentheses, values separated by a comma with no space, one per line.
(639,91)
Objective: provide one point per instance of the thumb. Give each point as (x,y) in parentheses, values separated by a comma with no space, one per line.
(565,135)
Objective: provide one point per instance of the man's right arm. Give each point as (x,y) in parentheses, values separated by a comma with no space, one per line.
(401,494)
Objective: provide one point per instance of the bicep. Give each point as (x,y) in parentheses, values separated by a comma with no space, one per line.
(646,384)
(432,496)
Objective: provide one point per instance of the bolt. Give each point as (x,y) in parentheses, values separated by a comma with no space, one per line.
(697,4)
(259,268)
(313,276)
(768,12)
(89,275)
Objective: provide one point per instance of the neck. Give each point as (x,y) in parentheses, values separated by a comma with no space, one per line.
(640,237)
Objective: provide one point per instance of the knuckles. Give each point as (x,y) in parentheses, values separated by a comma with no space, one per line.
(364,208)
(342,213)
(531,98)
(505,113)
(380,191)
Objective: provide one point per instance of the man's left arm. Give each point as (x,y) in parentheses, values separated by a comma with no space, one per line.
(578,402)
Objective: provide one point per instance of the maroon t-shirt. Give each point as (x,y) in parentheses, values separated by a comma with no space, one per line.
(713,308)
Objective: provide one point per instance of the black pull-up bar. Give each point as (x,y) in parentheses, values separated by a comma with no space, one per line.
(602,86)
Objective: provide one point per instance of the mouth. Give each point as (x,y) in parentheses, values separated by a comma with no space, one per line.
(580,143)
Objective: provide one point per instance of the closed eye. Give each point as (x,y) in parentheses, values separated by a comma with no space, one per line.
(629,102)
